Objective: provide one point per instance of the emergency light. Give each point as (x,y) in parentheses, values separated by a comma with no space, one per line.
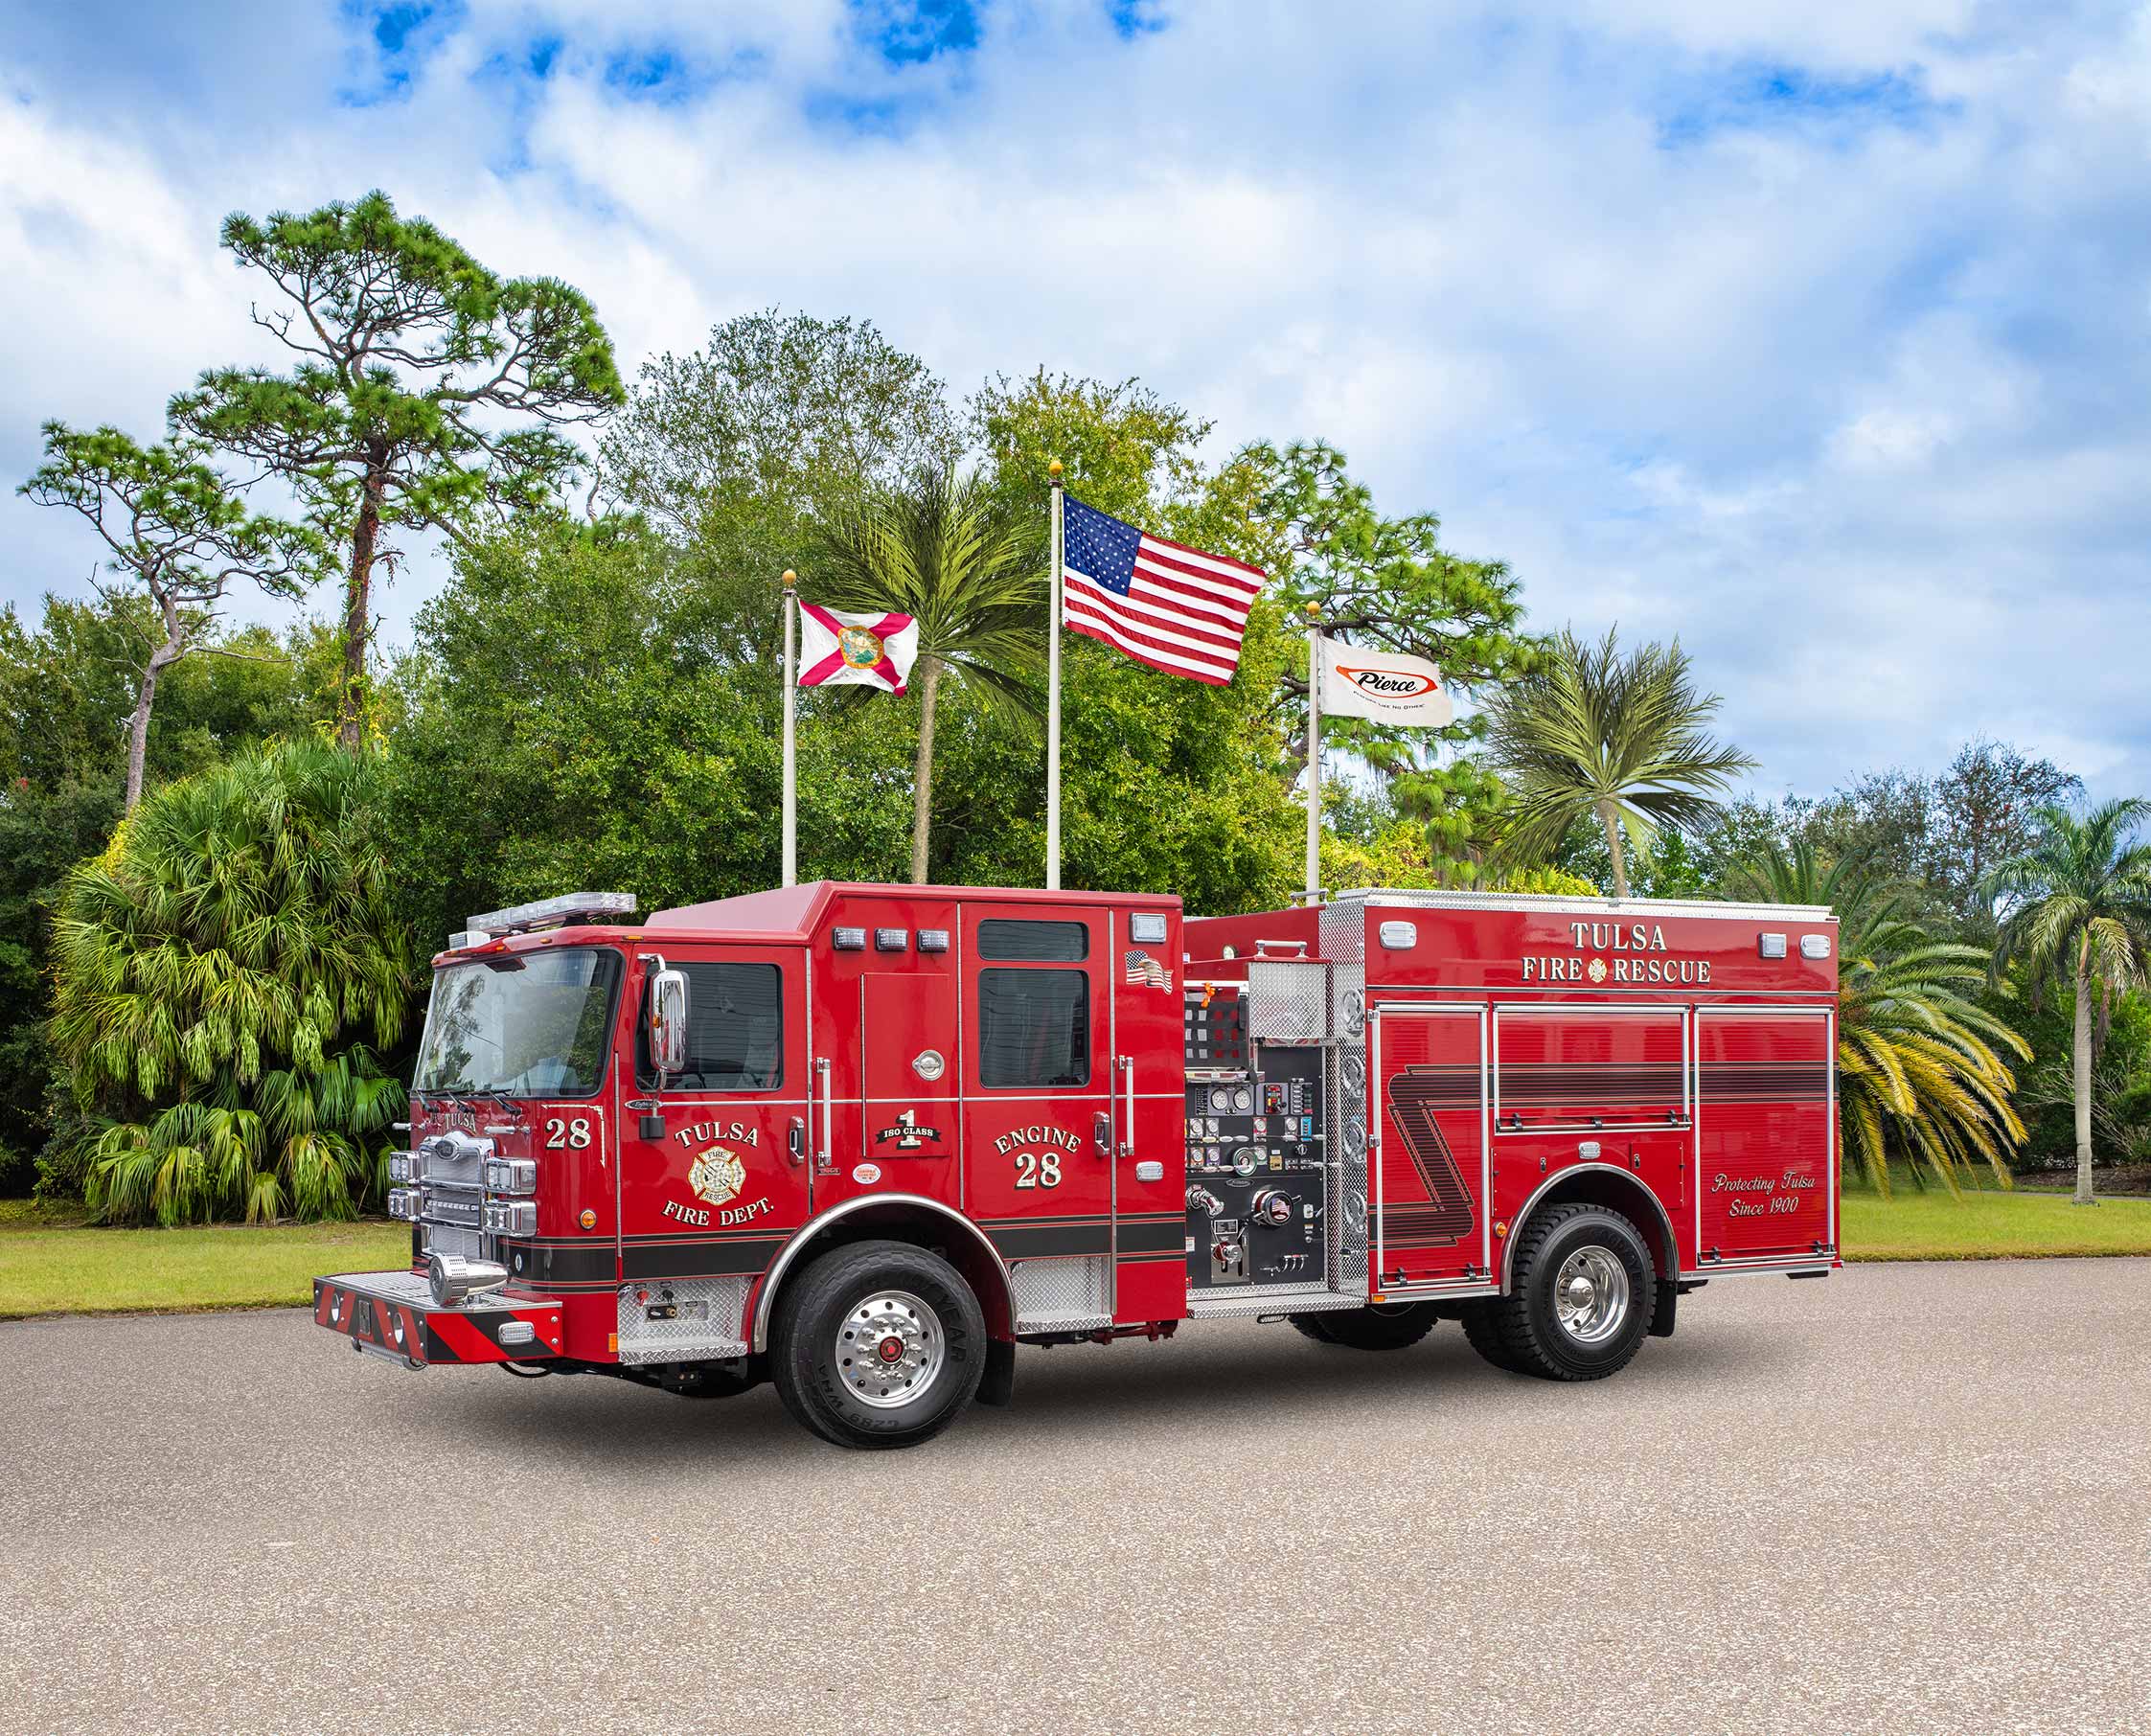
(548,913)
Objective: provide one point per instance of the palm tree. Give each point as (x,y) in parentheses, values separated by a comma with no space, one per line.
(944,551)
(1594,732)
(2078,906)
(1918,1070)
(215,970)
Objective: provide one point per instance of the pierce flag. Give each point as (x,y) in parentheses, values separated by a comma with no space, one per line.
(839,647)
(1383,686)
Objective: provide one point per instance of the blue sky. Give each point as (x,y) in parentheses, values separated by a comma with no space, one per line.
(1818,335)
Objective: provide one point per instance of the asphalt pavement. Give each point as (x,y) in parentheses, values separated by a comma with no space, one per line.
(1909,1498)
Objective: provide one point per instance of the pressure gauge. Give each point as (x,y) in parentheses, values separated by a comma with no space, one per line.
(1246,1160)
(1243,1099)
(1221,1100)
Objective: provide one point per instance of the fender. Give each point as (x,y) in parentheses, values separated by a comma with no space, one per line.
(792,1250)
(1524,1217)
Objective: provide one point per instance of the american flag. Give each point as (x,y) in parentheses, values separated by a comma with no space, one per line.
(1164,603)
(1142,968)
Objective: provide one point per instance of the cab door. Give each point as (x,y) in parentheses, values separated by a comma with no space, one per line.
(1037,1102)
(713,1174)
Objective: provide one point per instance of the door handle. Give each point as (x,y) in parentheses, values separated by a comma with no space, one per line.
(823,1163)
(796,1140)
(1101,1132)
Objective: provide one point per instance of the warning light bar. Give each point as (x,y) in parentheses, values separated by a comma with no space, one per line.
(550,913)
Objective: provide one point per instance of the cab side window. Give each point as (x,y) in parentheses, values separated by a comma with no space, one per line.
(1033,1023)
(735,1030)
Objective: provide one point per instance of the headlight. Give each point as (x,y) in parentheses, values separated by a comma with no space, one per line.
(517,1220)
(403,1204)
(401,1167)
(510,1176)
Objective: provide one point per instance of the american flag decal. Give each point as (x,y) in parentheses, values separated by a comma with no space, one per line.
(1142,968)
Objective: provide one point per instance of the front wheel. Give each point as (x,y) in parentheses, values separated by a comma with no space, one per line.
(1582,1299)
(1378,1326)
(878,1345)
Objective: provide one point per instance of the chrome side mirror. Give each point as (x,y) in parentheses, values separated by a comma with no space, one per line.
(667,1020)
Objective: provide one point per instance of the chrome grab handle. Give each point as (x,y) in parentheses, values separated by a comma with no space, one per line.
(822,1160)
(1128,1102)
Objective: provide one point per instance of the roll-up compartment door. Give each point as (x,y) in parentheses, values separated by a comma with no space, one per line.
(1429,1107)
(1766,1135)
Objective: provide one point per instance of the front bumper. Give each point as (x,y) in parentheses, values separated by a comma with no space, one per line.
(394,1315)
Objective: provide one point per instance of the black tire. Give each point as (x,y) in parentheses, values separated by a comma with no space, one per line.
(933,1313)
(1483,1332)
(1378,1326)
(1524,1332)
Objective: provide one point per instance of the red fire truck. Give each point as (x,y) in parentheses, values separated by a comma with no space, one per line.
(863,1140)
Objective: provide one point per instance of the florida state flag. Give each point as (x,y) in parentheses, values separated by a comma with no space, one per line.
(837,647)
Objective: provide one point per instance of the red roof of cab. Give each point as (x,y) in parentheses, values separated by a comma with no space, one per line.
(795,912)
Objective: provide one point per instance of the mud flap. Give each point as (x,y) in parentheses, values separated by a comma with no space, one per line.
(1662,1312)
(997,1385)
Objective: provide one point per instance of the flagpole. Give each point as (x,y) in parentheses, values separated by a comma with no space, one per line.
(1313,751)
(791,706)
(1053,698)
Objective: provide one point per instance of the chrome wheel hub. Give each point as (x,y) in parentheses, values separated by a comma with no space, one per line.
(889,1349)
(1590,1295)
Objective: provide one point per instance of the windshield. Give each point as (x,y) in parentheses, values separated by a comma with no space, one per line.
(532,1025)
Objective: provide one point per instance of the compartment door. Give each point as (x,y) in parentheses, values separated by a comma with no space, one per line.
(1765,1136)
(1430,1108)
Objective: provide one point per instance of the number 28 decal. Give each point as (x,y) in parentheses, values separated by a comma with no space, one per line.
(1038,1169)
(567,1133)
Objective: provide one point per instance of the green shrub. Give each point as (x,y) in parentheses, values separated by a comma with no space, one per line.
(217,972)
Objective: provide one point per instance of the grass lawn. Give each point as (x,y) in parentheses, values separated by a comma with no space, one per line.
(50,1264)
(1987,1225)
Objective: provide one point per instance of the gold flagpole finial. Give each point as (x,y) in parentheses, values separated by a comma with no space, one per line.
(1314,611)
(791,578)
(1053,468)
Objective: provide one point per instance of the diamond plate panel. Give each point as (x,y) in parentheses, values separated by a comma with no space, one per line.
(1288,1002)
(1244,1301)
(709,1323)
(1074,1291)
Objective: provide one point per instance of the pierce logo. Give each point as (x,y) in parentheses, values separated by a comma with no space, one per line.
(1389,683)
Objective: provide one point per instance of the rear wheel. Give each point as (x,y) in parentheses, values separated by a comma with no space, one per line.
(878,1345)
(1378,1326)
(1582,1299)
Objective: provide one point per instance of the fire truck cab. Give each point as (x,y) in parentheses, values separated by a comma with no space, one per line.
(863,1140)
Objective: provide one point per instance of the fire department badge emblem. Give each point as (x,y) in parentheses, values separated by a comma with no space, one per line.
(1595,970)
(859,646)
(717,1175)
